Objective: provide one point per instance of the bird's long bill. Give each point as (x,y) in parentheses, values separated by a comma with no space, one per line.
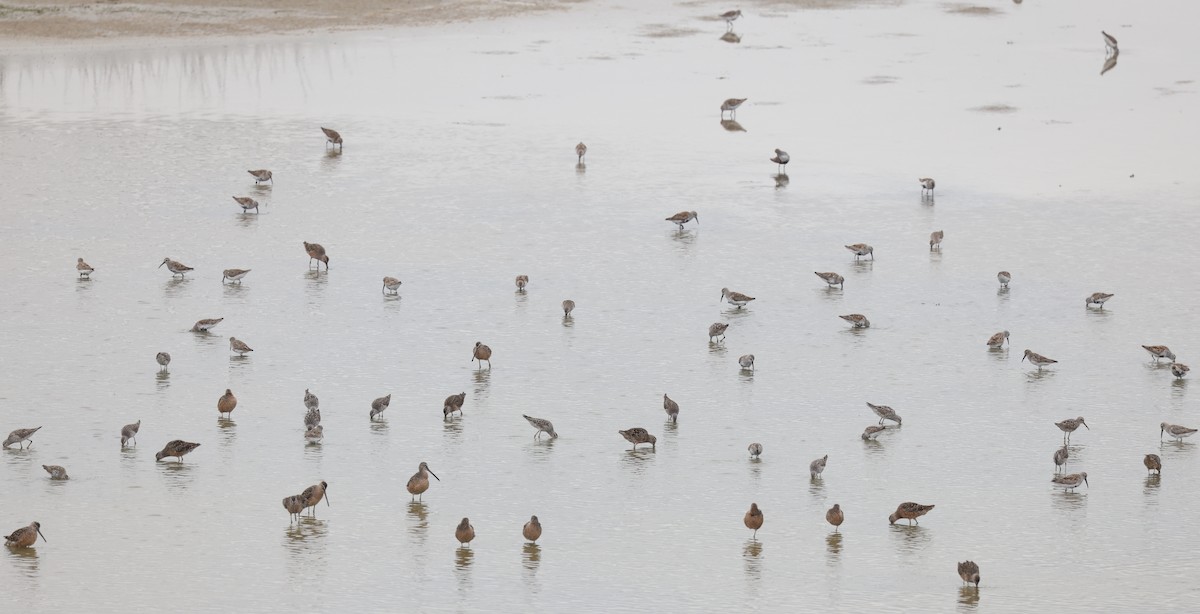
(39,531)
(433,474)
(697,219)
(327,498)
(1086,482)
(159,266)
(1086,426)
(1023,360)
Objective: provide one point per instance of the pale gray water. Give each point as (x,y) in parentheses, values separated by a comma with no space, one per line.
(458,174)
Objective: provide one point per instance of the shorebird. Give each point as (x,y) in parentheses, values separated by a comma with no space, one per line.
(419,482)
(522,281)
(755,450)
(205,325)
(246,203)
(639,435)
(233,275)
(1037,359)
(315,434)
(313,495)
(294,506)
(835,516)
(1060,458)
(176,268)
(57,472)
(464,532)
(1159,351)
(316,252)
(261,176)
(542,426)
(731,105)
(1004,277)
(239,346)
(310,400)
(19,437)
(1176,431)
(935,240)
(1072,481)
(453,403)
(332,138)
(163,359)
(753,519)
(1110,44)
(580,151)
(736,299)
(532,529)
(857,319)
(861,249)
(568,306)
(176,448)
(781,158)
(927,184)
(817,467)
(380,404)
(85,269)
(25,537)
(1069,425)
(392,284)
(1152,463)
(684,217)
(717,329)
(833,279)
(312,418)
(1097,298)
(730,17)
(482,353)
(1179,369)
(227,403)
(969,572)
(672,408)
(746,361)
(909,510)
(871,432)
(130,431)
(885,413)
(998,339)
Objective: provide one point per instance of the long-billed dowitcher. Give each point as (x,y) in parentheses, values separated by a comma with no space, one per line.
(969,572)
(205,325)
(753,519)
(464,532)
(1176,431)
(731,106)
(262,175)
(246,203)
(835,516)
(314,434)
(935,240)
(639,435)
(1037,359)
(910,511)
(238,346)
(312,418)
(453,403)
(1152,463)
(177,448)
(316,251)
(380,404)
(1159,351)
(755,450)
(746,361)
(391,284)
(568,306)
(85,269)
(310,400)
(717,329)
(671,407)
(57,472)
(833,279)
(998,339)
(730,17)
(861,249)
(927,184)
(227,403)
(294,506)
(25,537)
(19,437)
(1178,369)
(737,299)
(419,482)
(234,275)
(873,431)
(163,359)
(885,413)
(857,319)
(176,268)
(521,281)
(684,217)
(1060,458)
(532,529)
(817,467)
(1071,481)
(1069,425)
(482,353)
(313,495)
(781,159)
(1097,298)
(332,138)
(1004,277)
(542,425)
(1110,43)
(580,152)
(129,432)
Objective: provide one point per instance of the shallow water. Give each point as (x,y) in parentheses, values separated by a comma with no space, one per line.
(458,174)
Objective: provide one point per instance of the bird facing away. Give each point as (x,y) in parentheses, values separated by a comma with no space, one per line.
(177,448)
(835,516)
(672,408)
(391,284)
(380,404)
(313,495)
(310,400)
(482,353)
(246,203)
(1159,351)
(312,418)
(910,511)
(872,432)
(176,268)
(419,482)
(294,505)
(1037,359)
(453,403)
(1072,481)
(316,252)
(969,572)
(857,319)
(522,281)
(227,403)
(129,432)
(532,529)
(568,306)
(817,467)
(314,434)
(1179,369)
(781,158)
(755,450)
(746,361)
(233,275)
(239,346)
(1110,43)
(205,325)
(1060,457)
(998,339)
(542,426)
(19,437)
(332,138)
(25,537)
(464,532)
(57,472)
(731,106)
(262,175)
(84,269)
(717,329)
(636,436)
(935,240)
(1176,431)
(753,519)
(927,184)
(1004,277)
(163,360)
(1069,425)
(833,279)
(580,152)
(1097,298)
(1152,463)
(737,299)
(861,249)
(684,217)
(885,413)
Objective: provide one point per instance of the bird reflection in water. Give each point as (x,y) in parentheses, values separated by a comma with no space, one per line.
(752,557)
(26,560)
(913,538)
(1109,63)
(580,168)
(968,596)
(833,545)
(732,126)
(781,180)
(305,533)
(531,556)
(731,37)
